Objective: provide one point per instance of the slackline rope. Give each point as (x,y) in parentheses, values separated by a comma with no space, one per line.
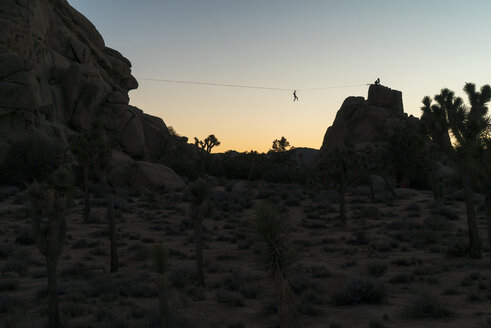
(251,86)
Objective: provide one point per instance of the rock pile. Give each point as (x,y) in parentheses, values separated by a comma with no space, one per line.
(361,121)
(57,76)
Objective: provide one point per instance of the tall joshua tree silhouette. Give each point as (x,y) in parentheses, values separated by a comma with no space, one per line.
(343,167)
(200,208)
(468,125)
(50,202)
(161,266)
(92,150)
(206,146)
(81,148)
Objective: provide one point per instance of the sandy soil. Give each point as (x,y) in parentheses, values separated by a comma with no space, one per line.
(400,249)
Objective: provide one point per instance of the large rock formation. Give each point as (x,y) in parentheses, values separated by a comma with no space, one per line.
(57,75)
(361,121)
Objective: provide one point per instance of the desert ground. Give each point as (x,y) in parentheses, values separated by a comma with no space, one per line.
(396,263)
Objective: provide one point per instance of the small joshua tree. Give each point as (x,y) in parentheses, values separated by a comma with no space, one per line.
(343,167)
(199,209)
(50,202)
(80,146)
(161,267)
(206,146)
(277,258)
(100,158)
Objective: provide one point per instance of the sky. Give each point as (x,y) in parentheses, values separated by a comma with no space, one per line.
(417,47)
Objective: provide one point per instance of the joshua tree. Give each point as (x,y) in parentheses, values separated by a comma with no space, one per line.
(80,146)
(161,267)
(200,208)
(482,171)
(450,117)
(206,146)
(277,258)
(343,167)
(101,156)
(50,202)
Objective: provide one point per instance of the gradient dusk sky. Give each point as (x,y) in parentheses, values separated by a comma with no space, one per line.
(415,46)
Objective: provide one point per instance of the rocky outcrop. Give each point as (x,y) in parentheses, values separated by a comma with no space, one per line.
(57,76)
(361,121)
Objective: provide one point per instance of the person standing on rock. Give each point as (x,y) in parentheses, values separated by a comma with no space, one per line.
(295,98)
(377,81)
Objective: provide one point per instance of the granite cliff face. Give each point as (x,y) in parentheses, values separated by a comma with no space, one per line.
(361,121)
(57,75)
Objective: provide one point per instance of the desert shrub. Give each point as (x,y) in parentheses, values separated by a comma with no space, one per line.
(28,159)
(436,223)
(7,303)
(401,278)
(376,269)
(319,271)
(413,207)
(446,212)
(9,285)
(425,305)
(197,293)
(358,238)
(83,243)
(457,248)
(14,265)
(360,290)
(335,325)
(376,324)
(182,277)
(5,250)
(244,283)
(406,261)
(368,212)
(230,298)
(76,270)
(140,252)
(137,286)
(42,292)
(25,237)
(72,309)
(309,302)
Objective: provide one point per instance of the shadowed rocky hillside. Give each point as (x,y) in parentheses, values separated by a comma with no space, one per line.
(57,76)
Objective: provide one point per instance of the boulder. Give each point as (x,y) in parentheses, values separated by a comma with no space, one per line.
(381,188)
(382,96)
(154,176)
(120,167)
(362,122)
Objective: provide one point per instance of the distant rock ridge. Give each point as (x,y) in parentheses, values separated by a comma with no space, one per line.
(361,121)
(57,75)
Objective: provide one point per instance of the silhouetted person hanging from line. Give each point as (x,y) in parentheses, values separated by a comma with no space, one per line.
(295,98)
(377,81)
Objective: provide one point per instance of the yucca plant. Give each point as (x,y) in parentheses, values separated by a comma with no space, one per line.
(271,230)
(50,202)
(161,267)
(200,208)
